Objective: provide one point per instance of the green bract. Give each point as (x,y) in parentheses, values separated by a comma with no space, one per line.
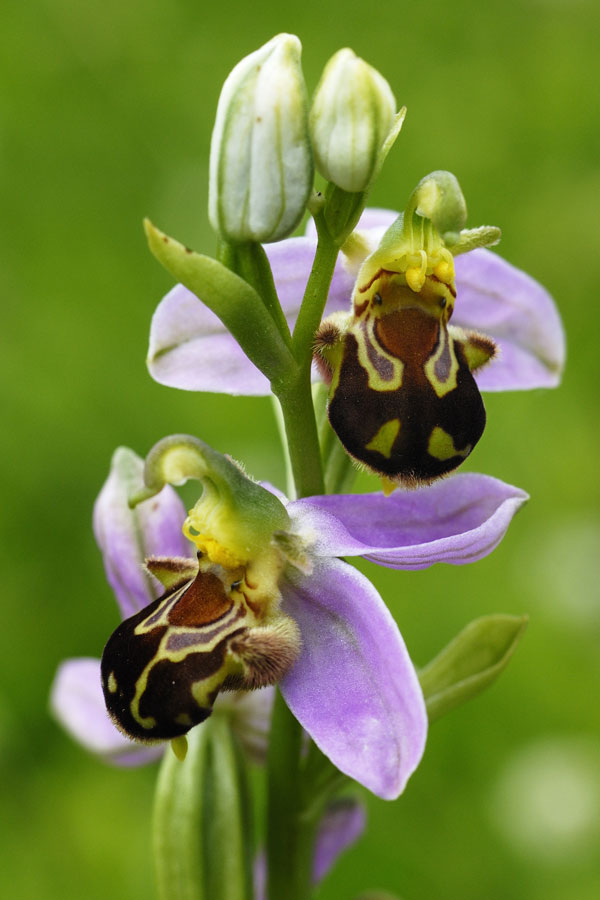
(470,662)
(230,297)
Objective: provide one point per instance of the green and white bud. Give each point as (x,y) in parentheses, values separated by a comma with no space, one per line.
(352,115)
(261,169)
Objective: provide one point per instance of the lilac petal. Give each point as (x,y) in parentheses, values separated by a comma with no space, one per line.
(341,826)
(353,687)
(77,702)
(510,306)
(457,520)
(127,536)
(190,348)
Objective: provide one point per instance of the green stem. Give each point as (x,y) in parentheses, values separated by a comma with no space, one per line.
(295,395)
(295,800)
(290,833)
(315,295)
(290,488)
(301,435)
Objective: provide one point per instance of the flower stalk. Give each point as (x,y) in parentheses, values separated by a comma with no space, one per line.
(289,835)
(296,398)
(202,830)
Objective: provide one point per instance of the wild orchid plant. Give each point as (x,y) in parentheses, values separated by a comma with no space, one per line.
(249,589)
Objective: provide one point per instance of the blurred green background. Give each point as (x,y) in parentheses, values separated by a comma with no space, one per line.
(106,111)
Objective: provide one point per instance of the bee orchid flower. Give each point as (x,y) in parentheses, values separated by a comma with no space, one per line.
(190,348)
(348,677)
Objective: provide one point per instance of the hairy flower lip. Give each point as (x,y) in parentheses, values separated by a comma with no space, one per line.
(190,350)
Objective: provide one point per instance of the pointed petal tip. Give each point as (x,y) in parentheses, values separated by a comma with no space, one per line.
(457,520)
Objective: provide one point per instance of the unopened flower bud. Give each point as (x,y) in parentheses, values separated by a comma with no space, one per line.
(261,169)
(352,114)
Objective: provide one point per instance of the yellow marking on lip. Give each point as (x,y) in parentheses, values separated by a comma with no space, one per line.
(375,381)
(445,344)
(112,683)
(383,441)
(441,445)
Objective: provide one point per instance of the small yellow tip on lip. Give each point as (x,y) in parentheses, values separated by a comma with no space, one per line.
(179,746)
(388,486)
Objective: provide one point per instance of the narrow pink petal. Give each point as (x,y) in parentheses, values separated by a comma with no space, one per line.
(77,702)
(341,826)
(353,687)
(457,520)
(127,536)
